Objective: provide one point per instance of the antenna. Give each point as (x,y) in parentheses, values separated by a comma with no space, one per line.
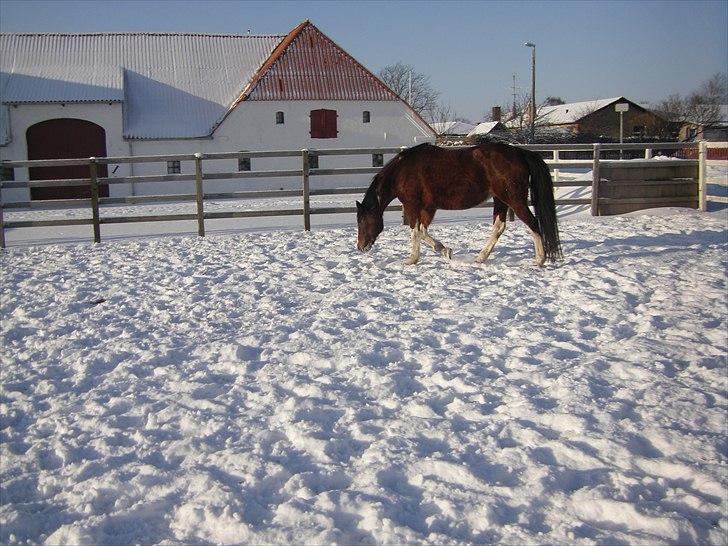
(515,94)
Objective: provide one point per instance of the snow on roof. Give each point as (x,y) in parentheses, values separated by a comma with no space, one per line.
(484,128)
(452,127)
(173,85)
(571,113)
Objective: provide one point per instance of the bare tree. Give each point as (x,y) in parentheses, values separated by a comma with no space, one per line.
(518,120)
(442,113)
(701,109)
(413,88)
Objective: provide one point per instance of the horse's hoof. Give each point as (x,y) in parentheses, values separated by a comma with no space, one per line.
(411,261)
(480,259)
(447,253)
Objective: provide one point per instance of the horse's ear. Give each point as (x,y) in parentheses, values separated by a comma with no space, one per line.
(359,207)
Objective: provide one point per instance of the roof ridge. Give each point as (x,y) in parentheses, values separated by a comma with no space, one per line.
(80,34)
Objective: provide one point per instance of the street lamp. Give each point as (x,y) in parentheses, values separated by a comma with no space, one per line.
(533,90)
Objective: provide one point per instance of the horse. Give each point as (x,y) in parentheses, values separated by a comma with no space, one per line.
(426,178)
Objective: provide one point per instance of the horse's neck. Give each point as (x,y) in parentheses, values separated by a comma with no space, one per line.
(385,193)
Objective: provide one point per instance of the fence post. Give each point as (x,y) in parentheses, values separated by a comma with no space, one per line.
(306,191)
(556,168)
(702,175)
(93,171)
(199,195)
(595,180)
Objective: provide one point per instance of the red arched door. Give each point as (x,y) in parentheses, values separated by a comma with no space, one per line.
(65,138)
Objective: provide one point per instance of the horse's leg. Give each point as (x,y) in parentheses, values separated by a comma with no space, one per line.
(413,216)
(526,216)
(499,226)
(416,238)
(436,245)
(425,220)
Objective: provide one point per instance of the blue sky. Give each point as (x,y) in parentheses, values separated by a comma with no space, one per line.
(585,50)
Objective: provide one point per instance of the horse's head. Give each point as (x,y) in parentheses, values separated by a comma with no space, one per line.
(371,223)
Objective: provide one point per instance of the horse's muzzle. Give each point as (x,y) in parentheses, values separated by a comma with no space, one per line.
(364,248)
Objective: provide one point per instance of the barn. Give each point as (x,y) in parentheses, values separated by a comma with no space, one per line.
(120,95)
(598,119)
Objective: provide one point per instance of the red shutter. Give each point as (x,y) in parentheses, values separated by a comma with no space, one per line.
(316,123)
(330,117)
(323,124)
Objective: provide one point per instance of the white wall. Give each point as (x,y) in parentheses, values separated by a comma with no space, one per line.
(250,126)
(108,116)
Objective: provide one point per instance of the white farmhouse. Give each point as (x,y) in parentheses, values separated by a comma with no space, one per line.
(111,95)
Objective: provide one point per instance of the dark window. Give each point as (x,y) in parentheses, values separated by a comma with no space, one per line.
(323,124)
(313,161)
(173,167)
(366,116)
(280,119)
(377,160)
(243,164)
(7,174)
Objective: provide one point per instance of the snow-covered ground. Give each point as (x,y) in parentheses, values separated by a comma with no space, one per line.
(278,387)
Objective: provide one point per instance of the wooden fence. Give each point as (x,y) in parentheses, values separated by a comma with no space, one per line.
(599,200)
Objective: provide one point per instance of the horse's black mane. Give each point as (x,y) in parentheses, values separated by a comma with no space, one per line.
(388,172)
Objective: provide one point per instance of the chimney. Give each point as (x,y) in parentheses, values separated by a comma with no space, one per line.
(496,115)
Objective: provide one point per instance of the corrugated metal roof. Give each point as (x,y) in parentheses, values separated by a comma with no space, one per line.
(173,85)
(310,66)
(59,68)
(181,85)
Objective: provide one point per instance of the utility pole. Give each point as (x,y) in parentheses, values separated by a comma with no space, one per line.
(533,90)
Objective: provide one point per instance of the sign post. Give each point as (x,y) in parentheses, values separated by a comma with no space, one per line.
(621,107)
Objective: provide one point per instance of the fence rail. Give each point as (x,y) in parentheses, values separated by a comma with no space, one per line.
(305,173)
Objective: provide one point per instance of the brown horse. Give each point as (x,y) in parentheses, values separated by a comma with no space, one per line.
(426,178)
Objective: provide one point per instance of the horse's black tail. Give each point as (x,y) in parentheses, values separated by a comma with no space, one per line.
(544,205)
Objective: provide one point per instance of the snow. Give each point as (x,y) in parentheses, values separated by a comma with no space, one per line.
(452,127)
(278,387)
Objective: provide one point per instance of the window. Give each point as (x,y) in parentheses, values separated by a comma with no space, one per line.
(280,118)
(377,160)
(313,161)
(639,130)
(7,174)
(173,167)
(323,124)
(366,116)
(243,164)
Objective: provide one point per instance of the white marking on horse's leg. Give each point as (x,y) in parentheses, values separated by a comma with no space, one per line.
(416,236)
(498,228)
(436,245)
(538,247)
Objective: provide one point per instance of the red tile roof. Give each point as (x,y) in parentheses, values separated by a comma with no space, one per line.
(308,65)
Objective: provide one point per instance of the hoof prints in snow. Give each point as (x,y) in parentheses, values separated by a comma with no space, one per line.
(280,388)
